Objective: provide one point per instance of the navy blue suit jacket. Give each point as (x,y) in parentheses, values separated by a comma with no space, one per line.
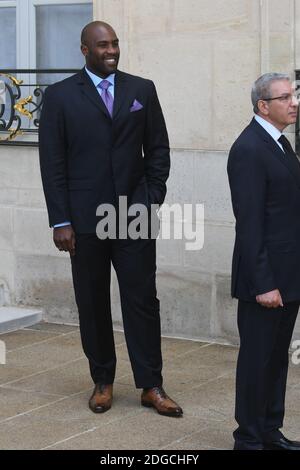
(88,158)
(265,190)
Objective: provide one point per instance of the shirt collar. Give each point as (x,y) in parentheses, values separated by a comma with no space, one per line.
(272,130)
(97,80)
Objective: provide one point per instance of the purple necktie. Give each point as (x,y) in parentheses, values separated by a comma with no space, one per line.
(107,96)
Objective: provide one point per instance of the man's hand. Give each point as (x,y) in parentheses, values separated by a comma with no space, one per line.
(270,299)
(64,239)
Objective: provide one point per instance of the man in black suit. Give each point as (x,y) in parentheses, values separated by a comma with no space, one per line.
(102,136)
(264,177)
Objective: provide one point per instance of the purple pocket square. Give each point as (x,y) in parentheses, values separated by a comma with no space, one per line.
(136,106)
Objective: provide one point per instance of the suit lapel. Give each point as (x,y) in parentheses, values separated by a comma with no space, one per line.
(89,90)
(121,93)
(289,161)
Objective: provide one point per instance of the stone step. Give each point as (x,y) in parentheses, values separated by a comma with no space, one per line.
(13,318)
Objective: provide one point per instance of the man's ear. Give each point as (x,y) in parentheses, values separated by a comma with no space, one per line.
(263,107)
(84,49)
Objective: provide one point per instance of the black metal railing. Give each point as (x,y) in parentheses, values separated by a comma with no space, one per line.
(21,101)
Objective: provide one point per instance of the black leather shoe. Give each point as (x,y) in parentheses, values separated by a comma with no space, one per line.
(282,444)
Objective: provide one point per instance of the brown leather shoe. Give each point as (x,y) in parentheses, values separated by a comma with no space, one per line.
(157,398)
(101,398)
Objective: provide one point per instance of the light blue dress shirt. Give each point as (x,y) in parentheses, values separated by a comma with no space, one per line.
(96,81)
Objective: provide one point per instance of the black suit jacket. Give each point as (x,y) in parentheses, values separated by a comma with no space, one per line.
(88,158)
(265,191)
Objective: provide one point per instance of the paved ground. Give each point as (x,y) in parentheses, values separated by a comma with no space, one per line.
(45,386)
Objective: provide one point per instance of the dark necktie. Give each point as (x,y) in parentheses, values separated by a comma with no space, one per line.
(107,96)
(292,159)
(288,149)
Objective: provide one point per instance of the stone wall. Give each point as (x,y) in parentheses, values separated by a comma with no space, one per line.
(203,57)
(32,271)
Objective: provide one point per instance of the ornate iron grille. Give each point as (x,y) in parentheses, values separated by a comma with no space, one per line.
(21,101)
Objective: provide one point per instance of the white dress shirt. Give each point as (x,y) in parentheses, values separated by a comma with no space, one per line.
(272,130)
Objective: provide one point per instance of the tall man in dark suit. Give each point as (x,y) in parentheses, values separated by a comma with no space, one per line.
(264,177)
(102,136)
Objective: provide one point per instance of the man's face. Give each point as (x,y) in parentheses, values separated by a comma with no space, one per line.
(102,51)
(282,111)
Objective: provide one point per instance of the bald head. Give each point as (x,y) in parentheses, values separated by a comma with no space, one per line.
(100,46)
(90,31)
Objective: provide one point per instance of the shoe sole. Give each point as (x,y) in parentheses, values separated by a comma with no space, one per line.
(164,413)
